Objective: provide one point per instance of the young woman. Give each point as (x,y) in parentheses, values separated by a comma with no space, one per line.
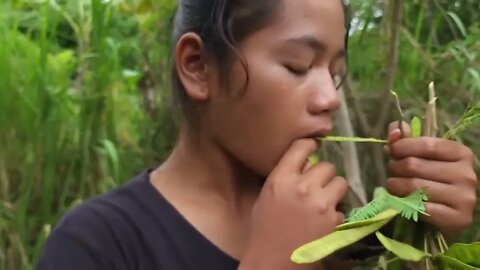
(254,80)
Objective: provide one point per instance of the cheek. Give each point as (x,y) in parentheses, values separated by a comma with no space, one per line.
(257,126)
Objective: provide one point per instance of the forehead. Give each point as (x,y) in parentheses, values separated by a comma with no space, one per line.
(322,19)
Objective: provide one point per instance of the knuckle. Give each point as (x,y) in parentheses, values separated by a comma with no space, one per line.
(469,154)
(321,206)
(471,178)
(431,146)
(329,168)
(302,190)
(470,200)
(410,164)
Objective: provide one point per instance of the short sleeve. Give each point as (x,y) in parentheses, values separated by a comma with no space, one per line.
(63,251)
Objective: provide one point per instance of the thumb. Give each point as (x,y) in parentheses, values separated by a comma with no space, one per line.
(395,131)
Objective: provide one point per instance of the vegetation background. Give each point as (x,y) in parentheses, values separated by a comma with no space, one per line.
(84,98)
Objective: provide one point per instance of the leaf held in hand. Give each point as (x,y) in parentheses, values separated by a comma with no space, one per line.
(352,139)
(409,207)
(388,214)
(325,246)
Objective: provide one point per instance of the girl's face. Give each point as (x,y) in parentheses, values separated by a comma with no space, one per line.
(291,92)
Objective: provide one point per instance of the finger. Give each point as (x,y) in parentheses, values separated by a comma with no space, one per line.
(321,173)
(441,171)
(436,192)
(430,148)
(297,155)
(394,136)
(336,189)
(340,218)
(396,126)
(448,219)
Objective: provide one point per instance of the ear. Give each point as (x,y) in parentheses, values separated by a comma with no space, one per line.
(191,65)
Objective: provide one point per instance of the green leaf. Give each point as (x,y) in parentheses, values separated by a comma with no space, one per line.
(402,250)
(409,207)
(467,253)
(313,159)
(368,211)
(450,263)
(379,192)
(352,139)
(323,247)
(388,215)
(458,22)
(416,125)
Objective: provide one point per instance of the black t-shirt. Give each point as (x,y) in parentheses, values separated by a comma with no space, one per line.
(130,228)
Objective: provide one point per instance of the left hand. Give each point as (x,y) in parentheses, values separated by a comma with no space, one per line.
(443,168)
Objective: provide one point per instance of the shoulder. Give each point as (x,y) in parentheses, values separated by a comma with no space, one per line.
(104,211)
(101,228)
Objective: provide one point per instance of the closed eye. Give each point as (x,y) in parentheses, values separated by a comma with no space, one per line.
(297,71)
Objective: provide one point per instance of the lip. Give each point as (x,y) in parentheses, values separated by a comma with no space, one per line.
(321,132)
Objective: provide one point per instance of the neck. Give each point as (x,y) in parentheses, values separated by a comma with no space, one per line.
(200,166)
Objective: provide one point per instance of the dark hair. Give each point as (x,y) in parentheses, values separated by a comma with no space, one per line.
(221,24)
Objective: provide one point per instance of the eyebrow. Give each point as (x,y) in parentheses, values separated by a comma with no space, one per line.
(315,44)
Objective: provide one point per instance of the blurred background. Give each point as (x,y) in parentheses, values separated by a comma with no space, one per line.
(85,104)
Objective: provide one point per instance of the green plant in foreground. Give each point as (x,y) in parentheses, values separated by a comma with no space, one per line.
(384,207)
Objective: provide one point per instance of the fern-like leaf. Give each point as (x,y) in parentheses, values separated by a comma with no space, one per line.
(373,208)
(409,207)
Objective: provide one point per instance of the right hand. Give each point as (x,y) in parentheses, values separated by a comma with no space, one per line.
(297,205)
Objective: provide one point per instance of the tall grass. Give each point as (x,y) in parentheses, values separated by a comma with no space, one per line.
(71,121)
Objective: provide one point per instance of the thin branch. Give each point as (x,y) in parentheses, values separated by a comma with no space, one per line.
(395,29)
(357,108)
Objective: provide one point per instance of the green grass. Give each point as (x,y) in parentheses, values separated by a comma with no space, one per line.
(71,122)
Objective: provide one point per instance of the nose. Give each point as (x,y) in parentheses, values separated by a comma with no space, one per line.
(324,96)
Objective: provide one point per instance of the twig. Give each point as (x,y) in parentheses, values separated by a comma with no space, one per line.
(359,112)
(395,29)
